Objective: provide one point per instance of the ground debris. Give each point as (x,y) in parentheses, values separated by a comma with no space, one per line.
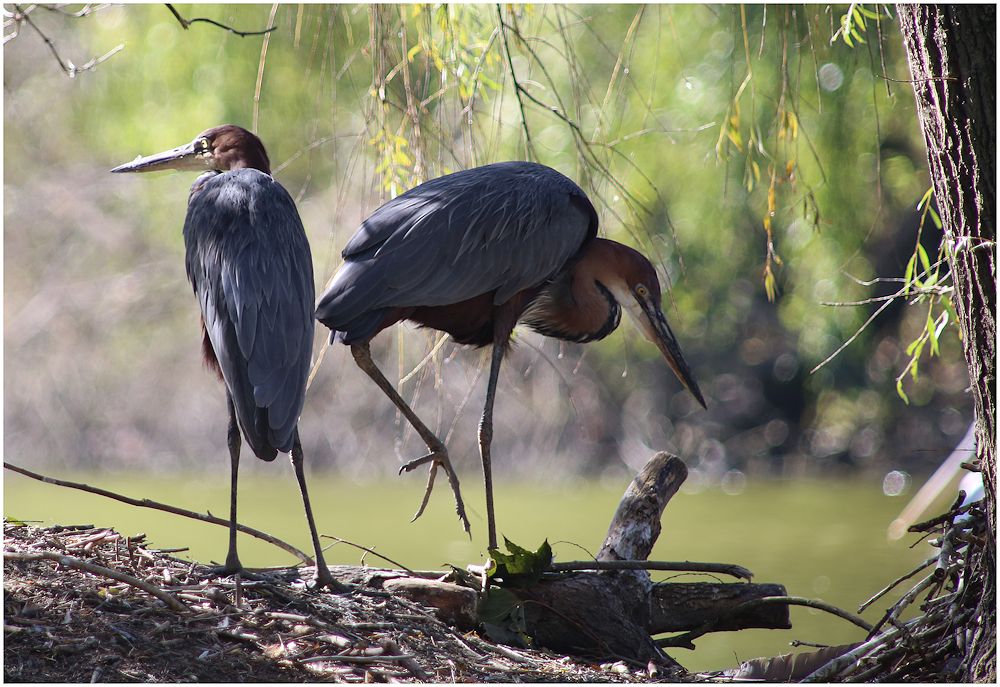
(66,620)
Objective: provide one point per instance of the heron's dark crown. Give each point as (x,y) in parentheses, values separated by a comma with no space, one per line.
(618,262)
(233,147)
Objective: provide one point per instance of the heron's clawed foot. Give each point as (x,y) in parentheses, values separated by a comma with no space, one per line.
(228,570)
(438,457)
(323,579)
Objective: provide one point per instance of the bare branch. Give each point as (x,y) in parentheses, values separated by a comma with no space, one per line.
(853,336)
(86,10)
(687,566)
(892,585)
(186,23)
(886,304)
(70,69)
(684,640)
(146,503)
(48,41)
(372,552)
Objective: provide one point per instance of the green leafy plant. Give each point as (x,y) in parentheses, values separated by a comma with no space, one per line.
(501,611)
(519,565)
(925,282)
(853,25)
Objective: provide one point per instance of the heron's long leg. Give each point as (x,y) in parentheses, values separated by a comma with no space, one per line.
(486,439)
(438,453)
(323,576)
(233,438)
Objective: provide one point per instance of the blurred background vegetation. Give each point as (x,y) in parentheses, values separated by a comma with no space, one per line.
(766,164)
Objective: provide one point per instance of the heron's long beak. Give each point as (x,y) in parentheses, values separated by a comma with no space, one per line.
(184,157)
(656,329)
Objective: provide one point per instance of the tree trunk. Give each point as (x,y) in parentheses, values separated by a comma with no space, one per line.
(951,50)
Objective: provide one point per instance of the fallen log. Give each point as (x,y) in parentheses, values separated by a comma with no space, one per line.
(616,612)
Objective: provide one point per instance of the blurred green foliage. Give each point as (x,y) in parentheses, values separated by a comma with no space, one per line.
(753,152)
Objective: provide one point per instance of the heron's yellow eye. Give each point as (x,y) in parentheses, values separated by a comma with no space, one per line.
(203,146)
(641,290)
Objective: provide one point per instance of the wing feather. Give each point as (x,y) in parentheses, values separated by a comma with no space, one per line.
(500,228)
(249,262)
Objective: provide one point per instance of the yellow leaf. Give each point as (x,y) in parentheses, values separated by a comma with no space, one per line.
(402,159)
(734,136)
(770,285)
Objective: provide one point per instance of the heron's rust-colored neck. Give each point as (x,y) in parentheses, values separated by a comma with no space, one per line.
(579,304)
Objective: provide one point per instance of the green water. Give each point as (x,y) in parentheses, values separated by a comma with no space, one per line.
(822,540)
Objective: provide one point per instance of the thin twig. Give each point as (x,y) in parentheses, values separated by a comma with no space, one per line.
(48,41)
(260,68)
(312,146)
(899,294)
(87,9)
(891,585)
(934,522)
(340,658)
(924,80)
(854,336)
(87,66)
(186,23)
(372,552)
(811,603)
(893,613)
(687,566)
(147,503)
(442,340)
(517,86)
(72,562)
(685,640)
(70,69)
(831,669)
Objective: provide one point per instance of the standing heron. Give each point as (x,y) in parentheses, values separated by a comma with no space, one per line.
(472,254)
(248,260)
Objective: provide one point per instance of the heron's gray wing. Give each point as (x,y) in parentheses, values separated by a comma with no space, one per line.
(250,264)
(500,228)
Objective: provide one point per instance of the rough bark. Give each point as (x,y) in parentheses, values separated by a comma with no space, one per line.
(951,50)
(616,612)
(680,607)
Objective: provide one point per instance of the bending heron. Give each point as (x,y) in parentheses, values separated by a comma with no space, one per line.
(472,254)
(248,261)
